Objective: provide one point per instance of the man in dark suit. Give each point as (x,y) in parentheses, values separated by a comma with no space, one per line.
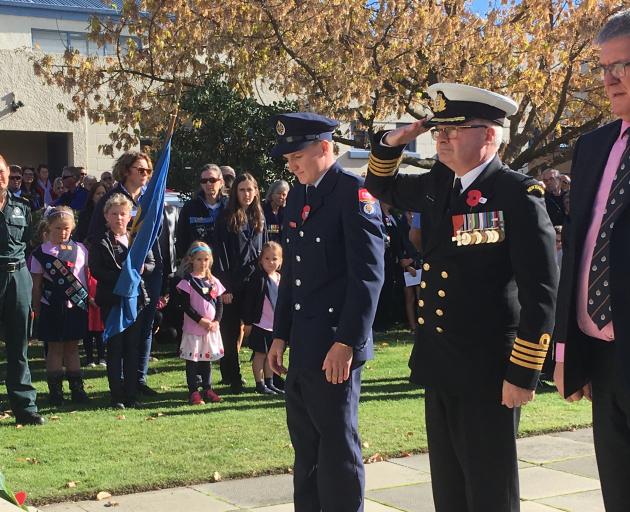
(487,294)
(592,333)
(332,275)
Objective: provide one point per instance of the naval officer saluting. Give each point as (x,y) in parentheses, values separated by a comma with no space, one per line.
(487,294)
(331,280)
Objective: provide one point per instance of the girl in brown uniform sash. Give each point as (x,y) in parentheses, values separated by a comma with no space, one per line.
(59,270)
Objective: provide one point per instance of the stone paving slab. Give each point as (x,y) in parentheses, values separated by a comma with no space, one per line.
(181,498)
(583,466)
(590,501)
(532,506)
(584,435)
(252,492)
(409,498)
(370,506)
(63,507)
(537,483)
(388,474)
(419,462)
(547,449)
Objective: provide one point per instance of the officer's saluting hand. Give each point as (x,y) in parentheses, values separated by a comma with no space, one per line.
(331,280)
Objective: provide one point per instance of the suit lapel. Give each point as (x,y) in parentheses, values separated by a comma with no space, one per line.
(591,172)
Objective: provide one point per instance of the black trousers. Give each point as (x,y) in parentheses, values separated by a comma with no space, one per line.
(122,359)
(15,308)
(611,427)
(472,452)
(230,327)
(328,473)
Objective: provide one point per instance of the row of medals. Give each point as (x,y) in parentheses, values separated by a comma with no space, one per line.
(479,236)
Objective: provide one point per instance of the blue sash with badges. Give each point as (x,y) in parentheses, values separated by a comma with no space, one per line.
(63,284)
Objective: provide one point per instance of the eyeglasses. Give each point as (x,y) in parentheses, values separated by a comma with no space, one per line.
(203,181)
(16,178)
(617,69)
(142,170)
(67,176)
(450,132)
(84,174)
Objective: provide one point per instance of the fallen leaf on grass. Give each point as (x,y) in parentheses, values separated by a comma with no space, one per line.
(54,418)
(103,495)
(216,477)
(365,444)
(377,457)
(4,416)
(71,485)
(409,434)
(151,418)
(111,504)
(19,426)
(158,414)
(384,344)
(121,417)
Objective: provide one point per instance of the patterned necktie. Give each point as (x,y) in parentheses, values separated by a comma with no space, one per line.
(455,193)
(598,306)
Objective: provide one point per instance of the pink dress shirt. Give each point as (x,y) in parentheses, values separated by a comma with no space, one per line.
(585,323)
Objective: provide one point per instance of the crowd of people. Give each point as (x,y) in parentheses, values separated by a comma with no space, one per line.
(241,235)
(220,254)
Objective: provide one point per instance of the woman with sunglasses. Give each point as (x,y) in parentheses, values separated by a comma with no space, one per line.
(198,217)
(132,172)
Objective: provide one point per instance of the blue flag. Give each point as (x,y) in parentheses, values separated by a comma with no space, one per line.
(144,233)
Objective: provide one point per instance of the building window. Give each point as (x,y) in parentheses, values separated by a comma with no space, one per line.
(411,147)
(57,41)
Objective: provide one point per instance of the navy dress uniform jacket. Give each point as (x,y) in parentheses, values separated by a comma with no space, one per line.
(589,160)
(332,270)
(486,309)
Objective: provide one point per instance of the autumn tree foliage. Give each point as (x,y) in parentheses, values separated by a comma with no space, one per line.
(354,60)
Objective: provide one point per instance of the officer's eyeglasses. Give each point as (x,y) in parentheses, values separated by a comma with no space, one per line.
(450,132)
(203,181)
(617,69)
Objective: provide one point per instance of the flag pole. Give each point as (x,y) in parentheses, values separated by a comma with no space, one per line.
(173,117)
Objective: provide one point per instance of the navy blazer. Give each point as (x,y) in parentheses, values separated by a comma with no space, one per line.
(589,160)
(332,270)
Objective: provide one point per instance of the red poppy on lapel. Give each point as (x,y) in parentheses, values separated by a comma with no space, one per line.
(473,198)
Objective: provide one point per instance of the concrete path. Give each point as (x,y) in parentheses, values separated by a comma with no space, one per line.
(557,472)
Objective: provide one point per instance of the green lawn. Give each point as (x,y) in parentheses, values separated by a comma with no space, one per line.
(168,443)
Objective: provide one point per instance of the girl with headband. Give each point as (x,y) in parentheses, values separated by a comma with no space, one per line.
(200,299)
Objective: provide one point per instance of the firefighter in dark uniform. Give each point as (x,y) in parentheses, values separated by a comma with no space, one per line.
(15,300)
(487,295)
(331,278)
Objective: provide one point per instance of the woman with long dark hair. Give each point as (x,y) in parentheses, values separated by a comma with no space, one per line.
(240,235)
(97,191)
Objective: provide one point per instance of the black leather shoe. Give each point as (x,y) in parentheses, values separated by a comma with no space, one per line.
(29,418)
(145,390)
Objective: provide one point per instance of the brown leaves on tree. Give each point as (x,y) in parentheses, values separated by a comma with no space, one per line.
(357,61)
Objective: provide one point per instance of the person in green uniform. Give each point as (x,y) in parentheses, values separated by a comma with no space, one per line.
(15,300)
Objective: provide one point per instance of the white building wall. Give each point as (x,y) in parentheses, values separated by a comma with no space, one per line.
(40,113)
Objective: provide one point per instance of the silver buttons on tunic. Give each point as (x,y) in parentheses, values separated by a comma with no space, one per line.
(297,307)
(298,282)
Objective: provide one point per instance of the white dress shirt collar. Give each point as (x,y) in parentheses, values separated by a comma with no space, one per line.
(468,178)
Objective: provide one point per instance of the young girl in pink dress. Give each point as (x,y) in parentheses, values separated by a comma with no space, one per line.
(60,302)
(200,298)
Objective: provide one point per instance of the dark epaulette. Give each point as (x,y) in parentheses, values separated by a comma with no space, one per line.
(526,182)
